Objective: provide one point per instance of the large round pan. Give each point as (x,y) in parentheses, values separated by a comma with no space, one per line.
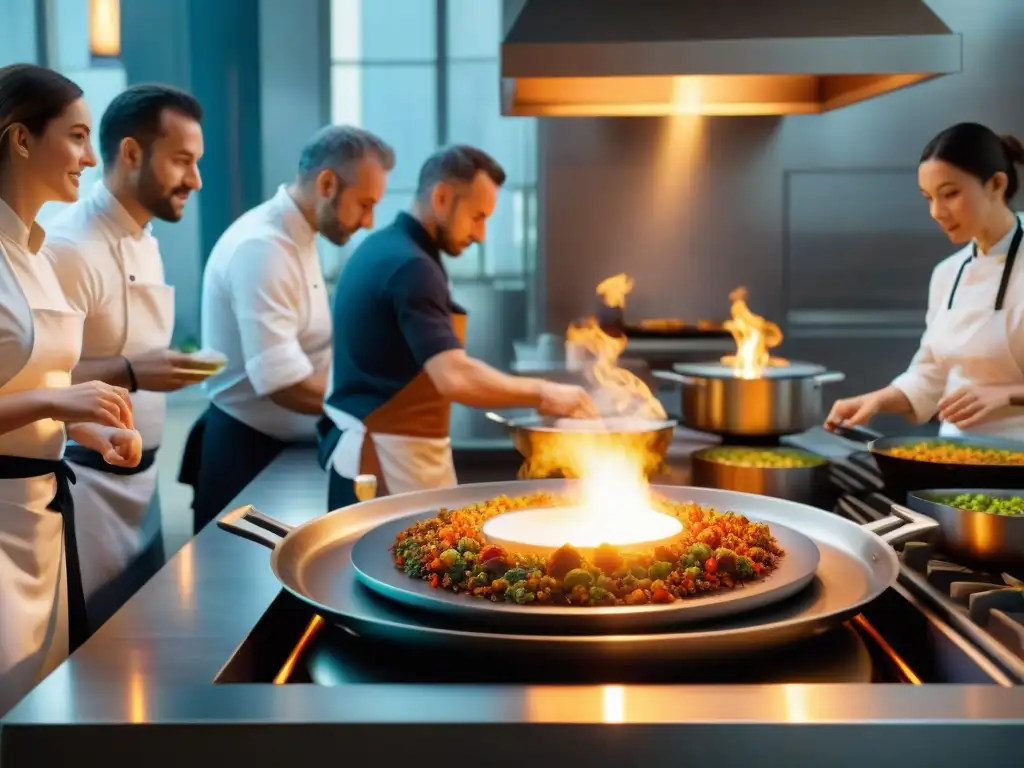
(313,562)
(375,568)
(539,437)
(903,474)
(979,537)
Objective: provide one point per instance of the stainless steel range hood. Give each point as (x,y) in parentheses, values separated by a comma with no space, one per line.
(573,58)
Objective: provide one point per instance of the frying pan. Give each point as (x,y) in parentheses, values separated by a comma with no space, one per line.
(978,537)
(313,562)
(538,436)
(913,474)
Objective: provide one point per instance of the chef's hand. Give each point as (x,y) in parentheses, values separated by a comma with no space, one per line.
(566,400)
(970,404)
(119,447)
(160,371)
(854,411)
(91,401)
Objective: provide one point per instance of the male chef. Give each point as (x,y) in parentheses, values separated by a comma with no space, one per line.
(265,306)
(110,268)
(399,360)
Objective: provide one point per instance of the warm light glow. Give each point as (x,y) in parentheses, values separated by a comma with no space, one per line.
(615,508)
(754,337)
(105,27)
(708,95)
(613,701)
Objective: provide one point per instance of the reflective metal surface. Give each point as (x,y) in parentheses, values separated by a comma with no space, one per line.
(806,484)
(976,536)
(153,664)
(715,401)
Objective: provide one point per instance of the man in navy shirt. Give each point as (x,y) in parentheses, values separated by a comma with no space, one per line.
(399,360)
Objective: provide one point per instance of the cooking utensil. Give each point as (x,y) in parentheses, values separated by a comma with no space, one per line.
(978,537)
(544,436)
(806,484)
(905,474)
(375,567)
(784,400)
(313,562)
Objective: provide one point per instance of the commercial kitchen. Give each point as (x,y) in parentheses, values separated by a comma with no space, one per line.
(706,175)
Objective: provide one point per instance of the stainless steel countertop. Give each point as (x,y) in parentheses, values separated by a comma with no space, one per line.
(153,664)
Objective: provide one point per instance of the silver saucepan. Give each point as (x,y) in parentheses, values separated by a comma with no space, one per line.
(783,400)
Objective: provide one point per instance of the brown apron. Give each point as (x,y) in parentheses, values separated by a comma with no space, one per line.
(408,431)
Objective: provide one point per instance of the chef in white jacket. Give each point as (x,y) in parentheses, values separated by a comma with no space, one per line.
(969,369)
(110,268)
(265,307)
(44,147)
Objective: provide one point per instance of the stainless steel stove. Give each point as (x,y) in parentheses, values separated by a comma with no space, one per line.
(988,608)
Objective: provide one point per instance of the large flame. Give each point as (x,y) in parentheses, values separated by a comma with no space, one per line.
(754,337)
(615,390)
(614,507)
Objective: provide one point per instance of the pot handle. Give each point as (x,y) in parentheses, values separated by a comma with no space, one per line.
(249,513)
(902,525)
(829,377)
(497,418)
(677,378)
(857,434)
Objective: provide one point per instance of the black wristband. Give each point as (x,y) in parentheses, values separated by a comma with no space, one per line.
(133,383)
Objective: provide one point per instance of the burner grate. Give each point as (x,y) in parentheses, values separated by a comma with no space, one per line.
(993,603)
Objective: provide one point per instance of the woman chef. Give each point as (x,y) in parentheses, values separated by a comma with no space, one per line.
(44,146)
(970,365)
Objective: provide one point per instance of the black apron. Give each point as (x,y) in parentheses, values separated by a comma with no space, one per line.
(20,468)
(1004,281)
(222,456)
(108,599)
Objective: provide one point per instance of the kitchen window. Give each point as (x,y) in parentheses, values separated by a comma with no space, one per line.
(424,73)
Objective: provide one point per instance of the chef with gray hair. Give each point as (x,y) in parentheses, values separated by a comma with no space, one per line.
(265,307)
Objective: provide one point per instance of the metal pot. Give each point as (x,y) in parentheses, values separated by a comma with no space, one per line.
(978,537)
(782,401)
(807,485)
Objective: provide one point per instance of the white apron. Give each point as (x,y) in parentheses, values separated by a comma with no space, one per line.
(33,592)
(410,448)
(973,345)
(119,514)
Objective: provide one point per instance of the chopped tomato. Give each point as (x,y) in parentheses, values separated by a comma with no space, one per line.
(710,566)
(435,580)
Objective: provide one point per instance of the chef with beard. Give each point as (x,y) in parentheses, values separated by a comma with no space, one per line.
(399,357)
(110,268)
(265,307)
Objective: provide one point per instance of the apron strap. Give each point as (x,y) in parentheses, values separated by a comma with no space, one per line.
(20,468)
(1004,280)
(90,459)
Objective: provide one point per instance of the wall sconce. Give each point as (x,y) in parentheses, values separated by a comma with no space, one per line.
(105,28)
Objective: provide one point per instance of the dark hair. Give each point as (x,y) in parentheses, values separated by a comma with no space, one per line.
(338,148)
(979,151)
(32,96)
(458,162)
(137,113)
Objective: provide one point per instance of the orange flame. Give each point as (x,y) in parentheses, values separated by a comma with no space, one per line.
(754,337)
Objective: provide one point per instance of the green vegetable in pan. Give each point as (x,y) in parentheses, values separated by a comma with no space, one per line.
(980,502)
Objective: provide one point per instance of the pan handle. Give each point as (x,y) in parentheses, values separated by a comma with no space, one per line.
(677,378)
(249,513)
(857,434)
(497,418)
(829,377)
(902,525)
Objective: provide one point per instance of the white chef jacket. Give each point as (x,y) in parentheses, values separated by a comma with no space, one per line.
(96,248)
(940,365)
(265,307)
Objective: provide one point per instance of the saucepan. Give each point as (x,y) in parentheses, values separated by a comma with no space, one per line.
(914,471)
(538,437)
(981,537)
(781,401)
